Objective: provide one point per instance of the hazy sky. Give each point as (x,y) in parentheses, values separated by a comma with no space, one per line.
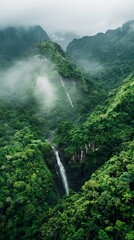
(84,17)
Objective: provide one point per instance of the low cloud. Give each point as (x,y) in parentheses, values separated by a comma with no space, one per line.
(25,76)
(44,91)
(36,77)
(82,17)
(92,67)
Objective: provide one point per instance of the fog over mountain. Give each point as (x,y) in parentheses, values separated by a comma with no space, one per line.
(82,17)
(66,120)
(63,38)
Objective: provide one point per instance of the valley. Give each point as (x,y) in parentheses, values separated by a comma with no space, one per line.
(66,136)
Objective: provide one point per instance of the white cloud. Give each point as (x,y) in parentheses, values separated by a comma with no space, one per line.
(80,16)
(38,78)
(45,92)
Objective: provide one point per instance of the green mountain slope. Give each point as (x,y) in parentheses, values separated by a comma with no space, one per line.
(104,208)
(88,146)
(80,86)
(14,41)
(27,185)
(114,45)
(109,56)
(91,134)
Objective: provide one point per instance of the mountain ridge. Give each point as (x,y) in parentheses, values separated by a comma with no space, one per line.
(94,139)
(107,38)
(15,41)
(104,54)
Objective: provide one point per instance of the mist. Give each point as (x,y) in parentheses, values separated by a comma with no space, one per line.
(45,91)
(92,67)
(81,17)
(131,27)
(37,77)
(26,76)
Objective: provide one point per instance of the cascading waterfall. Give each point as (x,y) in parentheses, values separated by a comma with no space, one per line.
(62,172)
(69,98)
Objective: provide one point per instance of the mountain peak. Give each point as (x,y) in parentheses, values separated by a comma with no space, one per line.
(15,40)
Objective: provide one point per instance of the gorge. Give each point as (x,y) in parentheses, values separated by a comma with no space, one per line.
(87,115)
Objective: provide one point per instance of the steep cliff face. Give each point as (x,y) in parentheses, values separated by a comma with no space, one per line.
(14,41)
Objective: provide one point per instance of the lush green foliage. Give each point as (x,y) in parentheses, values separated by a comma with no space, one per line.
(103,210)
(95,141)
(86,95)
(27,185)
(65,67)
(89,145)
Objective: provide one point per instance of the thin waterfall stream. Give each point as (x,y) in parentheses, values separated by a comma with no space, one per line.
(69,98)
(62,172)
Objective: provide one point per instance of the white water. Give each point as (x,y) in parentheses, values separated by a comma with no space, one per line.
(62,172)
(69,98)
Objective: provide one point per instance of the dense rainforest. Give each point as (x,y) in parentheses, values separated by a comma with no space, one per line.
(49,101)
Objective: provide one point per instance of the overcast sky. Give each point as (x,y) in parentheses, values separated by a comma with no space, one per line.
(84,17)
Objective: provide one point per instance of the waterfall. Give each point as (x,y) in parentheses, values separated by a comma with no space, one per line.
(69,98)
(62,172)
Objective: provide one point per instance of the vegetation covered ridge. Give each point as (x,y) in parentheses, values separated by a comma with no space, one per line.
(107,56)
